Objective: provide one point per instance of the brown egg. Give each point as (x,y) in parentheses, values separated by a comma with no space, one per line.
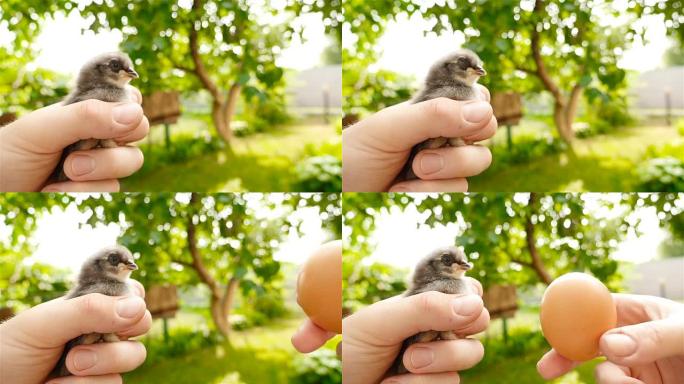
(575,311)
(319,287)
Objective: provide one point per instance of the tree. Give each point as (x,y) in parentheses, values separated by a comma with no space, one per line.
(557,46)
(523,239)
(674,55)
(224,242)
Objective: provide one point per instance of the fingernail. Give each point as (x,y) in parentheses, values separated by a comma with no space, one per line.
(130,307)
(84,359)
(620,345)
(82,164)
(431,163)
(126,113)
(421,357)
(476,112)
(467,305)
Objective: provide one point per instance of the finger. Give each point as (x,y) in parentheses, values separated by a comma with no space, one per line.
(105,358)
(103,163)
(477,286)
(451,162)
(81,315)
(138,288)
(57,126)
(644,343)
(609,373)
(137,134)
(135,92)
(553,365)
(485,133)
(425,378)
(104,379)
(309,337)
(139,328)
(418,313)
(478,325)
(486,96)
(402,126)
(111,185)
(443,356)
(452,185)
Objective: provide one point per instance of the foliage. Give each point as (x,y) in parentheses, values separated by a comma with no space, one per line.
(181,341)
(525,149)
(680,127)
(320,367)
(496,230)
(674,55)
(264,113)
(319,173)
(664,174)
(183,148)
(373,91)
(605,115)
(367,284)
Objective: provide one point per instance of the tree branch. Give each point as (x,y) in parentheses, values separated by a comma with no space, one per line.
(537,263)
(539,62)
(200,71)
(197,263)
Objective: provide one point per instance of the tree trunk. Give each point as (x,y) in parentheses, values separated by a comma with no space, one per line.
(563,121)
(536,264)
(219,315)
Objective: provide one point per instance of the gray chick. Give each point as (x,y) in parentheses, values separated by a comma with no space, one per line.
(453,76)
(105,272)
(441,270)
(104,78)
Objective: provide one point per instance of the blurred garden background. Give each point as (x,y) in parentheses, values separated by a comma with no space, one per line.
(600,83)
(219,272)
(518,244)
(242,95)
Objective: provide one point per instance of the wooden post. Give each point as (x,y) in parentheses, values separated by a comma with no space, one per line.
(167,136)
(668,107)
(504,323)
(509,136)
(165,325)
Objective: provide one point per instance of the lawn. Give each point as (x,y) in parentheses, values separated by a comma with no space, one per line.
(261,162)
(602,163)
(257,355)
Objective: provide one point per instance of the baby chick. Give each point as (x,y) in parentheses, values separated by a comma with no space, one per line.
(105,272)
(103,78)
(441,270)
(453,76)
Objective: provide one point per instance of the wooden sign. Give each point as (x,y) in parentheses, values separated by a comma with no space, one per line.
(507,108)
(501,301)
(162,107)
(162,301)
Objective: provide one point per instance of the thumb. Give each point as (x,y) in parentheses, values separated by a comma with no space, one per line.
(70,318)
(55,127)
(644,343)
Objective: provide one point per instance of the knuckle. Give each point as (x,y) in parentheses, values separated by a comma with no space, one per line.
(89,305)
(428,302)
(88,109)
(439,108)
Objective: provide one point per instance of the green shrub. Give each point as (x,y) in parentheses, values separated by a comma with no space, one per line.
(182,148)
(680,127)
(526,148)
(319,173)
(661,174)
(320,367)
(181,341)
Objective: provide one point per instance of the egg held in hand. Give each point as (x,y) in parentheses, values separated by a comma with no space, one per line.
(576,310)
(319,287)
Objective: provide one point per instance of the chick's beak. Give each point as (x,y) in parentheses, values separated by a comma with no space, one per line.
(131,265)
(465,266)
(132,73)
(479,70)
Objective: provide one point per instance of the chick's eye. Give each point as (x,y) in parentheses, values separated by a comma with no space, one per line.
(447,259)
(115,66)
(113,259)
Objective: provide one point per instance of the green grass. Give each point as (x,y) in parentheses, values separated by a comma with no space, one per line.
(257,355)
(602,164)
(261,163)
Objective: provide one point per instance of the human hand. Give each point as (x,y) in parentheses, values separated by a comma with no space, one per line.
(646,348)
(375,150)
(309,337)
(374,335)
(31,147)
(32,342)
